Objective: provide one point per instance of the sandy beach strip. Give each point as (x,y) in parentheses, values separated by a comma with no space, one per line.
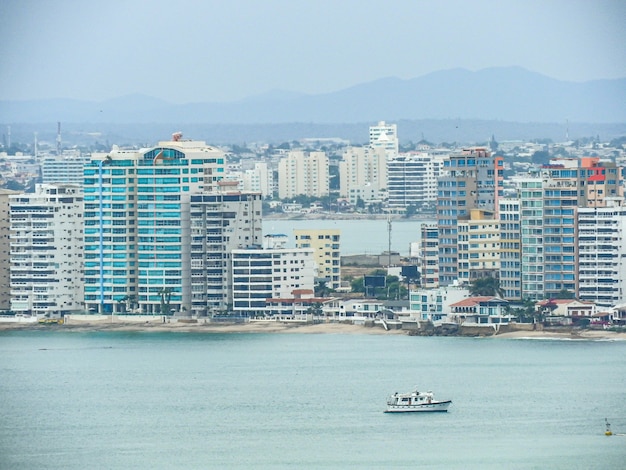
(344,328)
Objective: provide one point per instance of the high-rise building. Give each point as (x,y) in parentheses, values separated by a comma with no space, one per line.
(327,253)
(478,246)
(412,179)
(385,136)
(47,251)
(5,249)
(602,255)
(429,256)
(220,222)
(472,179)
(531,224)
(510,249)
(138,227)
(63,169)
(301,173)
(363,174)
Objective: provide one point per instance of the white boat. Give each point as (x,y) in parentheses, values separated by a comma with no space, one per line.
(415,401)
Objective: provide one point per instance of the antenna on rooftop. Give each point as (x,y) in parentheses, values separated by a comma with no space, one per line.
(36,146)
(59,138)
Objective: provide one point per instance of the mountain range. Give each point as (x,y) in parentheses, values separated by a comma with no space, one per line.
(511,94)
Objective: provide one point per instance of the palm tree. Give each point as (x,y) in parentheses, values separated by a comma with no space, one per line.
(486,286)
(166,295)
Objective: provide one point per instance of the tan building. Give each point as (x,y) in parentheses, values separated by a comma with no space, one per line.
(326,246)
(301,173)
(363,174)
(478,246)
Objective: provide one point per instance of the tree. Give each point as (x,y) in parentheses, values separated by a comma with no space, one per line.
(486,286)
(565,294)
(166,296)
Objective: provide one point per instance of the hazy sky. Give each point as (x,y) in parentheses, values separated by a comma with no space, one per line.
(186,51)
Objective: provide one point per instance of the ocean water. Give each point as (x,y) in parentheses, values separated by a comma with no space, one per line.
(76,400)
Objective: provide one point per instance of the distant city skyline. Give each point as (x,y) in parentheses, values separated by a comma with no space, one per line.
(212,51)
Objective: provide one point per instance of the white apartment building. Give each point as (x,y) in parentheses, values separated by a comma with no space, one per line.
(65,169)
(602,255)
(510,249)
(435,304)
(263,274)
(429,256)
(385,136)
(301,173)
(47,251)
(412,179)
(531,224)
(363,174)
(5,249)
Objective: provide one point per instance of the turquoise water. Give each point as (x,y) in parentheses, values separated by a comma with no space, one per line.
(75,400)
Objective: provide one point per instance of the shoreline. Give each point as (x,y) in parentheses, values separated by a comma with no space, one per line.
(299,328)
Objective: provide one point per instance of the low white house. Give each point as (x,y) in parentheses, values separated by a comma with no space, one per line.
(481,311)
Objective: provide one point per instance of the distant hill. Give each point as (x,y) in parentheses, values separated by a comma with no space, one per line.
(509,94)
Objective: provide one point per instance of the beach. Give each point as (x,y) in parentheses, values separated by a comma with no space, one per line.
(272,326)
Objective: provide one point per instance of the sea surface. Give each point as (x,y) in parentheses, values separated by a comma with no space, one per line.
(148,400)
(358,236)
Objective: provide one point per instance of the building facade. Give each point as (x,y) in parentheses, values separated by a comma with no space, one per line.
(138,227)
(301,173)
(47,251)
(327,253)
(363,174)
(220,223)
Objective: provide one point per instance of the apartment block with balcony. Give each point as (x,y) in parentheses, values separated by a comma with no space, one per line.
(472,179)
(327,253)
(138,226)
(478,246)
(303,173)
(46,251)
(220,222)
(363,174)
(602,255)
(262,275)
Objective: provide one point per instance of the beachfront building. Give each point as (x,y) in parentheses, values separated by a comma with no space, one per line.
(47,251)
(138,227)
(5,249)
(478,246)
(510,249)
(472,180)
(326,244)
(429,256)
(531,224)
(303,173)
(412,179)
(435,304)
(385,136)
(602,255)
(220,222)
(363,175)
(269,272)
(484,310)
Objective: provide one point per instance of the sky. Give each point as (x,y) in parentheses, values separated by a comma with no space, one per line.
(214,50)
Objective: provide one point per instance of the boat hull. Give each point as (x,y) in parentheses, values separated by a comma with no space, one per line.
(440,406)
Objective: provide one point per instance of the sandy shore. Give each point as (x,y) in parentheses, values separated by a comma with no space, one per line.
(282,327)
